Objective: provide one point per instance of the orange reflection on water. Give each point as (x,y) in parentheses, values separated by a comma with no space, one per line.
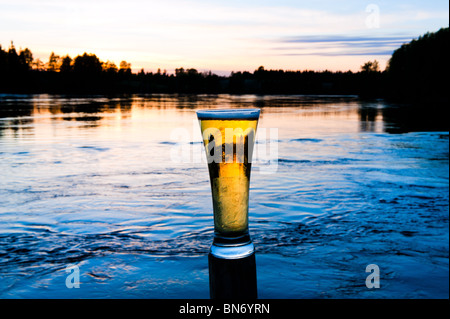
(150,118)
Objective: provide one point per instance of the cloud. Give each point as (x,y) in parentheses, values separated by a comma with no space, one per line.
(343,53)
(338,45)
(342,38)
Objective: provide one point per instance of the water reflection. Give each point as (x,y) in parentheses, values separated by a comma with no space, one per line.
(20,112)
(401,118)
(370,115)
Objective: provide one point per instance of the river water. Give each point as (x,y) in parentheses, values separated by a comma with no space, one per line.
(118,187)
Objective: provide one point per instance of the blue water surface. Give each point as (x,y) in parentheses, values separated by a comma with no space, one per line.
(118,187)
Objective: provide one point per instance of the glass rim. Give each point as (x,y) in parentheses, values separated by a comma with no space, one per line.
(244,114)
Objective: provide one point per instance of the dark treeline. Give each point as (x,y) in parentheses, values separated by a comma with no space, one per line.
(417,71)
(86,73)
(420,70)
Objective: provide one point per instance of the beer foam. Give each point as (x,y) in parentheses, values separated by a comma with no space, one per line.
(229,114)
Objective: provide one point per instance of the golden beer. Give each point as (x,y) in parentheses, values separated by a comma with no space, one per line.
(229,137)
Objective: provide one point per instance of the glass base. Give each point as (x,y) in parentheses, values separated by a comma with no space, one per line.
(235,251)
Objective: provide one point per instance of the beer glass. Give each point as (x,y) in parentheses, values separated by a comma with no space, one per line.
(229,138)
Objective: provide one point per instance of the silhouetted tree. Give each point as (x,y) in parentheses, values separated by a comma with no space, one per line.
(3,61)
(53,62)
(370,66)
(192,72)
(418,70)
(26,58)
(370,80)
(179,72)
(13,62)
(66,64)
(125,68)
(109,67)
(38,65)
(88,64)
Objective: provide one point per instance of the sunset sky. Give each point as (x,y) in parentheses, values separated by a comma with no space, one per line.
(221,36)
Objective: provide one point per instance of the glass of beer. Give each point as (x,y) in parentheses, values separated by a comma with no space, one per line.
(229,138)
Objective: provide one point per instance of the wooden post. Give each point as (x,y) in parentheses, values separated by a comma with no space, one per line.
(232,278)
